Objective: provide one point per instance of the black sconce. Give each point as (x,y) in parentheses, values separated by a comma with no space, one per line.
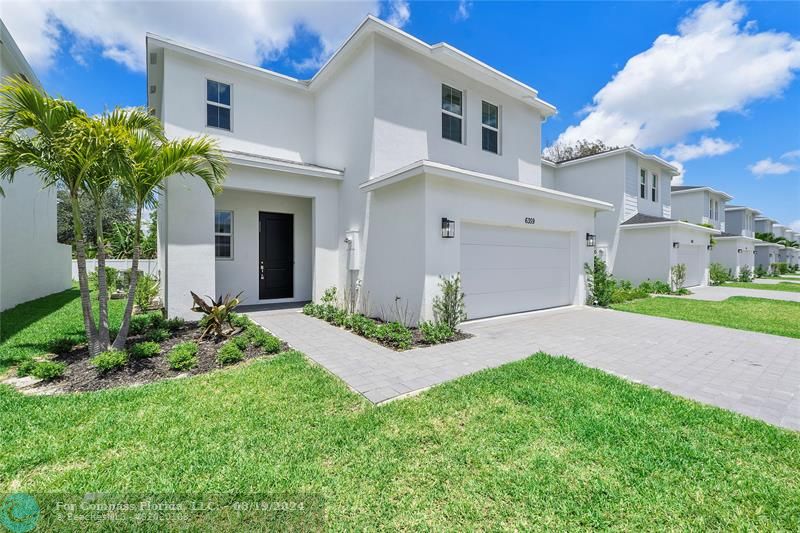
(448,228)
(676,244)
(591,240)
(739,251)
(708,247)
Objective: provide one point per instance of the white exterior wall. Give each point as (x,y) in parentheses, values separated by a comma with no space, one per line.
(763,225)
(694,206)
(766,255)
(148,266)
(644,254)
(738,222)
(634,203)
(726,252)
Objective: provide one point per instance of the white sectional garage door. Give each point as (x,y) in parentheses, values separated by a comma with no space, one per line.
(691,256)
(509,270)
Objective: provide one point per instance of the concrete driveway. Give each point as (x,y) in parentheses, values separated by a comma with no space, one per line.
(716,294)
(752,373)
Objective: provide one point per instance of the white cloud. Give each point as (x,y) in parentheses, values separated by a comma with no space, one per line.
(769,167)
(707,147)
(795,226)
(678,180)
(683,82)
(399,13)
(462,11)
(794,154)
(250,31)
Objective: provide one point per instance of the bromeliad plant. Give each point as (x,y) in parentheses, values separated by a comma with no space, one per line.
(216,313)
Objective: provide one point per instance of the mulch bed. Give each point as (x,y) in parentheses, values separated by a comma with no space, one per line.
(81,376)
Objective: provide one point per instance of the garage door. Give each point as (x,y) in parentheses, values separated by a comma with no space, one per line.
(692,256)
(509,270)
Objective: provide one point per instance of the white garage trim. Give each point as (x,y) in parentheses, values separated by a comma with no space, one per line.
(510,270)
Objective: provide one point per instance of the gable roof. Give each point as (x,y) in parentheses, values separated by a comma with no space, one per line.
(632,150)
(442,53)
(13,53)
(640,220)
(694,188)
(731,207)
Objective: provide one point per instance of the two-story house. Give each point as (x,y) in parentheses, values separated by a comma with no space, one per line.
(641,239)
(767,253)
(736,247)
(706,206)
(397,163)
(32,261)
(792,254)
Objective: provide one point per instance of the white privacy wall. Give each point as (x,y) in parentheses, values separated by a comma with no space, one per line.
(32,263)
(726,252)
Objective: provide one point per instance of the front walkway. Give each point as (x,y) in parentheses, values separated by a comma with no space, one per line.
(717,294)
(752,373)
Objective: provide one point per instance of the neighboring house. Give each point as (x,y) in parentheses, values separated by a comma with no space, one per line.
(736,247)
(32,263)
(397,163)
(641,239)
(767,253)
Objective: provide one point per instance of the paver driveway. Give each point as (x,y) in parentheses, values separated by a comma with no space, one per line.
(717,294)
(752,373)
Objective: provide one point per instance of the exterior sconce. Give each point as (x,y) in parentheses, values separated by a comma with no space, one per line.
(591,240)
(676,244)
(708,247)
(448,228)
(739,251)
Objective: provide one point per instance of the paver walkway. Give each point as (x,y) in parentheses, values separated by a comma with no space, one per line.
(716,294)
(752,373)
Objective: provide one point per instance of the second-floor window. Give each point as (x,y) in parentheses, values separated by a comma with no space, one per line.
(643,183)
(654,189)
(452,114)
(713,209)
(490,127)
(218,105)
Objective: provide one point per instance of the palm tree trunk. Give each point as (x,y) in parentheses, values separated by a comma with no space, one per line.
(102,284)
(122,336)
(83,279)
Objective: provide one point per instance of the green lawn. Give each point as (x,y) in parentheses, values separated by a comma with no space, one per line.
(755,314)
(782,286)
(543,443)
(26,329)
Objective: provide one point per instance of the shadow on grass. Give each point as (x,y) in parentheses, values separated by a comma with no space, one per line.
(14,320)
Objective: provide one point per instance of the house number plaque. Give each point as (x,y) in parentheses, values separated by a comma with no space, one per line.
(530,220)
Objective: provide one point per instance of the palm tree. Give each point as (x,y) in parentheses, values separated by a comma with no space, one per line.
(60,143)
(153,162)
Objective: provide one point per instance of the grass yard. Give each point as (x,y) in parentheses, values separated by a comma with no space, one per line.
(755,314)
(543,443)
(26,330)
(787,286)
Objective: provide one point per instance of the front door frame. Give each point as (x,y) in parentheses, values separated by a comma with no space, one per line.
(267,263)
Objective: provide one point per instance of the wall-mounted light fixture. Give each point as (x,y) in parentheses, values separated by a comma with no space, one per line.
(591,240)
(708,247)
(676,244)
(739,251)
(448,228)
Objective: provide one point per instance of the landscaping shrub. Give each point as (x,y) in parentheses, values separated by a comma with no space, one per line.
(61,345)
(229,353)
(311,309)
(48,370)
(263,339)
(217,313)
(25,368)
(174,324)
(109,360)
(449,307)
(158,335)
(395,335)
(745,274)
(146,290)
(626,292)
(761,271)
(241,341)
(654,287)
(361,325)
(140,324)
(239,321)
(113,280)
(600,284)
(718,274)
(183,356)
(339,317)
(781,268)
(677,276)
(144,350)
(435,332)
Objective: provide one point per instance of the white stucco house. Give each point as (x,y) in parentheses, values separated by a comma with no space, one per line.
(641,239)
(397,163)
(32,262)
(736,247)
(767,253)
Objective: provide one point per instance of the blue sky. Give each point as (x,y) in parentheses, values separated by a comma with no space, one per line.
(733,123)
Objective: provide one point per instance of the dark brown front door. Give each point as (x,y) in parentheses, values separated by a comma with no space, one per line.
(276,255)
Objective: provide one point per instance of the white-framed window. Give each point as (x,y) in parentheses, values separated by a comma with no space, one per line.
(642,183)
(490,127)
(654,187)
(223,234)
(711,208)
(218,105)
(452,114)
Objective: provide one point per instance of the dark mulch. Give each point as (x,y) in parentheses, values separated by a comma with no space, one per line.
(418,342)
(82,376)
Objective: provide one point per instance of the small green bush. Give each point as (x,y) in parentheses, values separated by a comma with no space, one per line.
(263,339)
(144,350)
(660,287)
(361,325)
(241,341)
(761,271)
(395,335)
(61,345)
(109,360)
(621,295)
(600,284)
(239,321)
(271,345)
(183,356)
(229,353)
(449,308)
(781,268)
(140,324)
(48,370)
(745,274)
(146,290)
(311,309)
(174,324)
(718,274)
(677,277)
(339,317)
(158,335)
(435,332)
(25,368)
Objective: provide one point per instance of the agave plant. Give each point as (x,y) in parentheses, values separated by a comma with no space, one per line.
(216,313)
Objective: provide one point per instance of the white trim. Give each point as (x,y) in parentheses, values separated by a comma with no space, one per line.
(455,115)
(687,225)
(624,150)
(229,107)
(727,197)
(280,165)
(728,237)
(491,128)
(439,169)
(219,234)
